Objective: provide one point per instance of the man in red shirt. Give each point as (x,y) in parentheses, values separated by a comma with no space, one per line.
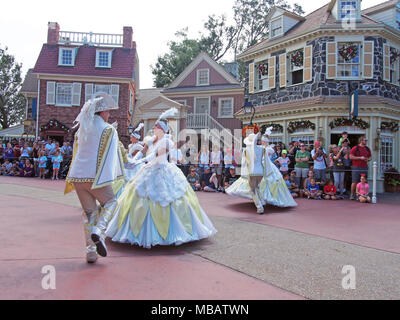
(360,156)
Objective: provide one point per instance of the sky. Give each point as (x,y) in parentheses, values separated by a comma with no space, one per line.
(23,29)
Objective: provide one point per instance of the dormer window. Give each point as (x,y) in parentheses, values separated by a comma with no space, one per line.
(349,10)
(66,57)
(276,28)
(203,77)
(103,58)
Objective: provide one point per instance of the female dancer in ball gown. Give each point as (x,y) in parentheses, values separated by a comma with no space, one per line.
(158,206)
(272,189)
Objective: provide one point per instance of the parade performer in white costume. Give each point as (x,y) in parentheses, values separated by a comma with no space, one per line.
(271,188)
(96,164)
(134,153)
(159,207)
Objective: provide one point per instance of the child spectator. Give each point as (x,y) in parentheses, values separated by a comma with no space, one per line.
(307,180)
(294,187)
(330,191)
(231,178)
(27,170)
(5,169)
(345,136)
(56,160)
(362,191)
(289,185)
(194,179)
(15,170)
(283,162)
(313,191)
(42,164)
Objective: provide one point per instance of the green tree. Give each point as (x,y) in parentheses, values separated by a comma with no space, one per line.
(12,102)
(219,38)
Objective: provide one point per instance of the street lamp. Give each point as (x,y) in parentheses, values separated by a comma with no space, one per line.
(248,109)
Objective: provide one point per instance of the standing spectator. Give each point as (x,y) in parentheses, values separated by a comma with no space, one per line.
(278,150)
(319,155)
(360,155)
(302,166)
(337,157)
(228,161)
(217,162)
(50,146)
(363,190)
(347,164)
(42,164)
(27,170)
(9,153)
(230,178)
(204,158)
(175,156)
(194,179)
(283,163)
(330,191)
(35,156)
(56,160)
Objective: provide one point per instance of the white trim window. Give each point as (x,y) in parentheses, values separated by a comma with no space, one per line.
(296,67)
(66,57)
(349,67)
(203,77)
(262,73)
(112,90)
(225,108)
(386,153)
(307,140)
(275,139)
(103,58)
(202,106)
(276,27)
(348,10)
(64,94)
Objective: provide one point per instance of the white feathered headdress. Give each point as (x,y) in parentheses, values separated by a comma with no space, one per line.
(136,132)
(163,119)
(267,134)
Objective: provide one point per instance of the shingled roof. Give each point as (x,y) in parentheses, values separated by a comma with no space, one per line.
(30,84)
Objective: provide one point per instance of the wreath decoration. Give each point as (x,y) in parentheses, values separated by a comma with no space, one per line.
(348,51)
(53,123)
(253,128)
(341,122)
(303,124)
(392,126)
(263,69)
(275,127)
(297,58)
(394,55)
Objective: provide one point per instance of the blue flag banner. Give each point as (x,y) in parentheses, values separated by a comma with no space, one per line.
(34,108)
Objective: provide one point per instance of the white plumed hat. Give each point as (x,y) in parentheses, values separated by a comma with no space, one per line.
(163,119)
(136,132)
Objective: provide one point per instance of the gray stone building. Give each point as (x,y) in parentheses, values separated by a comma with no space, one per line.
(302,76)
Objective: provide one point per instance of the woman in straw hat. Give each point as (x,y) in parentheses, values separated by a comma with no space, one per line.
(158,206)
(271,188)
(97,163)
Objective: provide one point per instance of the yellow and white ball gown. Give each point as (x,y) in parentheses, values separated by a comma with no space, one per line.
(158,206)
(272,188)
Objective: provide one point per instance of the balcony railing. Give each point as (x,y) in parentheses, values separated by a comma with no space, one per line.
(90,38)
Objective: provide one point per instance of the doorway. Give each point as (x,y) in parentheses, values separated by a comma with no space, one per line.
(353,138)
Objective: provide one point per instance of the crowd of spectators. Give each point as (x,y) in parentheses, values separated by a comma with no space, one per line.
(39,158)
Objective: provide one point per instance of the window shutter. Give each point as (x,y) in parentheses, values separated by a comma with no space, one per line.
(88,91)
(271,72)
(76,94)
(115,92)
(251,78)
(308,55)
(368,72)
(51,93)
(386,62)
(282,70)
(331,67)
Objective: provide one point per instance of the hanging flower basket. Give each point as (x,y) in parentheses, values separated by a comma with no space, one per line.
(250,129)
(392,126)
(263,69)
(52,124)
(297,58)
(342,122)
(303,124)
(348,51)
(276,127)
(394,55)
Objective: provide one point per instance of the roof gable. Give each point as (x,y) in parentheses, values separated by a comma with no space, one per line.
(218,75)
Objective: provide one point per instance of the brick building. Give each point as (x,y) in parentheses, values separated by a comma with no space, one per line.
(72,67)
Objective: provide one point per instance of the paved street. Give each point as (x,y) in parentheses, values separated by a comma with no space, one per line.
(285,254)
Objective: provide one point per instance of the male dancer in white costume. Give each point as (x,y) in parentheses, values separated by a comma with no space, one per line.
(97,163)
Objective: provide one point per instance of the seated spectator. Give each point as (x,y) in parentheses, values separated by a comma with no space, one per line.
(5,169)
(209,180)
(313,191)
(294,187)
(231,178)
(362,190)
(330,191)
(42,164)
(289,185)
(27,170)
(307,181)
(194,179)
(283,162)
(15,170)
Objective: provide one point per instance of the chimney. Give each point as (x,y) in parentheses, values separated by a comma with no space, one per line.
(53,33)
(128,36)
